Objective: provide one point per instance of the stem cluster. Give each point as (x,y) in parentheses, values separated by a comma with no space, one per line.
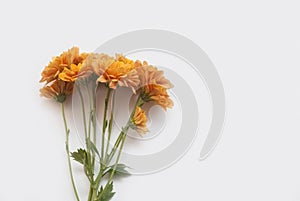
(102,172)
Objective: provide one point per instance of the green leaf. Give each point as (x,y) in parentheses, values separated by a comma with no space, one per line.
(120,170)
(94,149)
(80,156)
(107,194)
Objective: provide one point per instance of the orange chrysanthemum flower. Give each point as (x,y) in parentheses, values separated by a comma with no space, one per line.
(138,63)
(62,62)
(150,75)
(70,74)
(139,121)
(57,90)
(159,95)
(154,85)
(121,72)
(95,63)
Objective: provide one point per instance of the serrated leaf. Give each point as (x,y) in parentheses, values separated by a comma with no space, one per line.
(120,170)
(80,156)
(107,194)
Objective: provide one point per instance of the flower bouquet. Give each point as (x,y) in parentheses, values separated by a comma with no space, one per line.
(87,74)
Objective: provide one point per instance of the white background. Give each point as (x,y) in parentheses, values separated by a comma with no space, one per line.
(255,46)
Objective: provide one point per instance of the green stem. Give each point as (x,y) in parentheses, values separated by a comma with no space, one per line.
(139,102)
(68,151)
(88,138)
(85,134)
(83,111)
(97,183)
(114,149)
(94,115)
(121,139)
(110,126)
(90,114)
(91,123)
(90,193)
(115,166)
(104,124)
(102,165)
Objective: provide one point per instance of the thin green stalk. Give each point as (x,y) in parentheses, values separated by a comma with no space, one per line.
(90,116)
(88,135)
(91,123)
(83,111)
(98,179)
(102,165)
(90,193)
(94,115)
(115,166)
(88,138)
(104,124)
(93,106)
(110,125)
(114,149)
(68,151)
(94,141)
(139,102)
(85,133)
(120,139)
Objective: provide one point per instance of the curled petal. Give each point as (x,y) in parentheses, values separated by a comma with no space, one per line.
(96,63)
(70,74)
(159,95)
(150,75)
(59,63)
(131,80)
(57,90)
(139,121)
(121,72)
